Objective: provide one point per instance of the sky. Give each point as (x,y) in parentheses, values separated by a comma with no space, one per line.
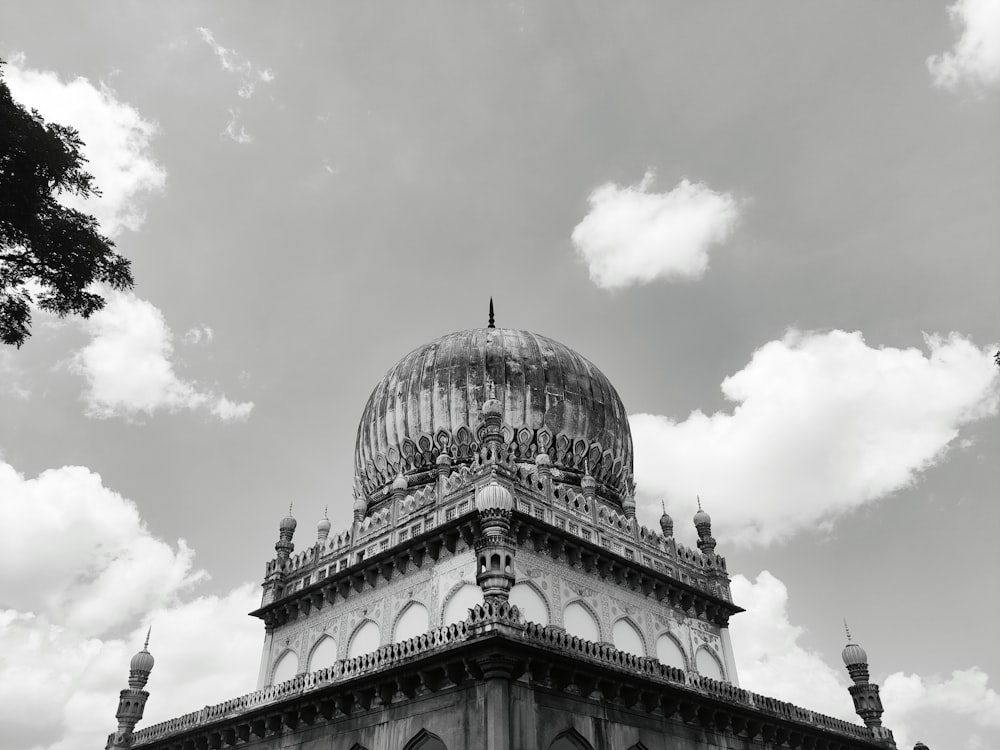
(772,225)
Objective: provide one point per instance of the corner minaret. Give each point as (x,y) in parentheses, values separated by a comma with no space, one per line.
(132,700)
(494,547)
(865,694)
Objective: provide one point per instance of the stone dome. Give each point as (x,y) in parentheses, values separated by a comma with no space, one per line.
(552,400)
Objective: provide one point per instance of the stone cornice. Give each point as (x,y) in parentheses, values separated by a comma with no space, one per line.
(429,545)
(527,530)
(593,558)
(495,643)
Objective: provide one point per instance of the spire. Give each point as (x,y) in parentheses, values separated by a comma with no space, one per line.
(145,646)
(847,630)
(491,325)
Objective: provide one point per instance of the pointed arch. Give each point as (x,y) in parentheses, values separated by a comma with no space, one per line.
(323,653)
(459,601)
(638,746)
(412,620)
(366,638)
(286,666)
(424,740)
(580,620)
(626,636)
(570,739)
(531,601)
(358,746)
(669,651)
(708,664)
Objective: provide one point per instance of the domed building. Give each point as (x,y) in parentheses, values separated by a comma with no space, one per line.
(494,588)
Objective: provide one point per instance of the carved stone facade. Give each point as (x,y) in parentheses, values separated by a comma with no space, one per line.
(492,592)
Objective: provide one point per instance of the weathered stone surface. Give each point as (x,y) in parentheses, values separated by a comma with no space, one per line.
(552,399)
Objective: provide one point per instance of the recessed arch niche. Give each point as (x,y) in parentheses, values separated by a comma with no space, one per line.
(412,621)
(578,620)
(531,603)
(462,599)
(708,664)
(324,654)
(424,740)
(285,668)
(625,637)
(364,640)
(570,740)
(669,652)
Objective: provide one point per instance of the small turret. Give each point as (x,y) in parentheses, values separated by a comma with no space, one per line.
(588,484)
(703,525)
(493,422)
(132,700)
(323,527)
(666,522)
(360,507)
(628,505)
(399,485)
(286,529)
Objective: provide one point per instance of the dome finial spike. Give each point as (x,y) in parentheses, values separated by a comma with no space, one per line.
(145,646)
(289,509)
(663,505)
(491,325)
(699,501)
(326,509)
(847,630)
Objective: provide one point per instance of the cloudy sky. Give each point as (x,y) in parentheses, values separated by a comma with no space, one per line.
(772,225)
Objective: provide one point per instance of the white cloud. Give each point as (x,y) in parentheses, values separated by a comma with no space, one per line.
(12,378)
(823,423)
(117,142)
(99,566)
(975,58)
(128,366)
(249,74)
(198,335)
(234,131)
(916,707)
(101,569)
(770,660)
(634,236)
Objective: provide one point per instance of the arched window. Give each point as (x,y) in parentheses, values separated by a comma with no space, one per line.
(285,668)
(456,609)
(413,621)
(324,654)
(669,652)
(578,621)
(626,638)
(708,664)
(532,605)
(570,740)
(424,740)
(365,639)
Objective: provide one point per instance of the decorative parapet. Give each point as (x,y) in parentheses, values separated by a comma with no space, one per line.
(393,521)
(503,620)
